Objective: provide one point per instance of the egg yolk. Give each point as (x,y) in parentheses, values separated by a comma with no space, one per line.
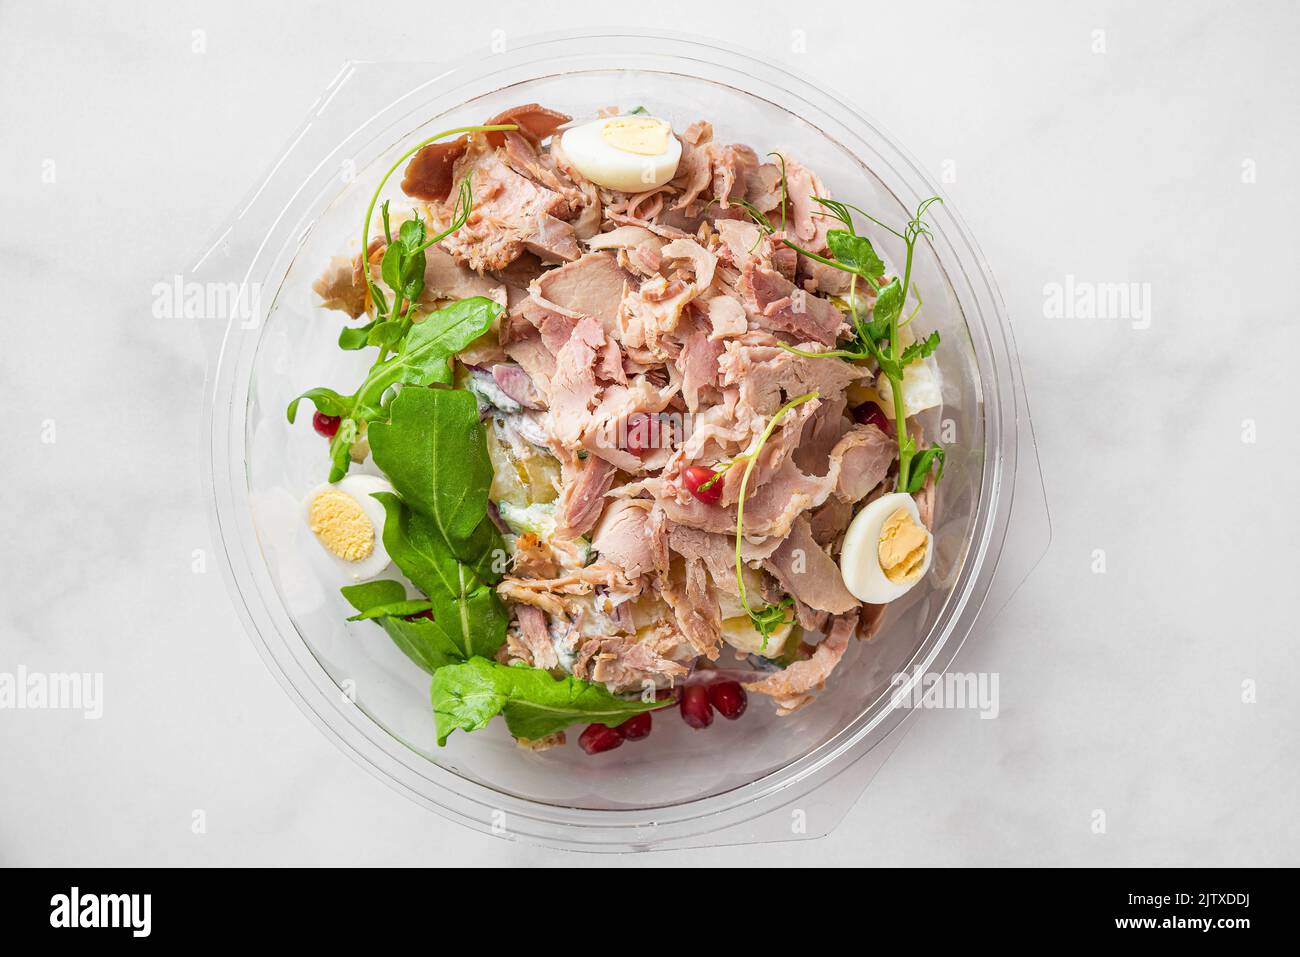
(641,135)
(342,527)
(902,548)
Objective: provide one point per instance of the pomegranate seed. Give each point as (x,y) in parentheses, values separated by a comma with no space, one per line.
(696,475)
(636,727)
(641,433)
(326,425)
(696,710)
(870,414)
(729,698)
(597,738)
(665,699)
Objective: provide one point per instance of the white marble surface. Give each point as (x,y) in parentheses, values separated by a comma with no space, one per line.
(1120,691)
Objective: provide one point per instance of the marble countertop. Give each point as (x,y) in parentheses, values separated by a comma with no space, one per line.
(1088,143)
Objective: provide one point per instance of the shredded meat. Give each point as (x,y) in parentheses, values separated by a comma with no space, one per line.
(646,335)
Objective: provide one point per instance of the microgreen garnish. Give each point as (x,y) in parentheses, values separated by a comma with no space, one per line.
(402,267)
(402,270)
(752,211)
(767,618)
(877,338)
(421,358)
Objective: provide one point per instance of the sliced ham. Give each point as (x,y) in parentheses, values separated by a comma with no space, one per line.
(535,122)
(763,373)
(623,237)
(792,687)
(511,212)
(536,637)
(632,535)
(537,361)
(523,158)
(516,383)
(727,317)
(742,238)
(583,497)
(340,286)
(574,391)
(627,664)
(591,287)
(827,280)
(765,187)
(553,240)
(717,552)
(808,574)
(698,362)
(695,610)
(809,219)
(445,278)
(776,303)
(703,262)
(858,463)
(555,596)
(431,172)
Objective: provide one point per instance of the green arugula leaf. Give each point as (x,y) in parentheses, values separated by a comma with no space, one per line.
(423,358)
(353,338)
(327,401)
(424,641)
(467,696)
(341,448)
(434,451)
(464,602)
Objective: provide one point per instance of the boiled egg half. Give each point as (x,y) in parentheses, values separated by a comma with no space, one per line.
(628,153)
(886,549)
(349,524)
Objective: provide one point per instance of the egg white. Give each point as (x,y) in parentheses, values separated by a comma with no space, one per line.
(613,168)
(860,556)
(922,389)
(359,488)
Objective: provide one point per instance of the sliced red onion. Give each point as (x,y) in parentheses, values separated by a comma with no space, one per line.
(497,520)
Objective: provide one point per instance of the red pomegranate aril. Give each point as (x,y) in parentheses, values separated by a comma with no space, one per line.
(696,710)
(597,738)
(870,414)
(696,476)
(326,425)
(729,698)
(641,433)
(636,727)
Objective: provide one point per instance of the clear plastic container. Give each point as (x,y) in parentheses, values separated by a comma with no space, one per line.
(761,778)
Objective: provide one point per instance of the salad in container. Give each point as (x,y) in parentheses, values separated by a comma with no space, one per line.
(639,430)
(619,430)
